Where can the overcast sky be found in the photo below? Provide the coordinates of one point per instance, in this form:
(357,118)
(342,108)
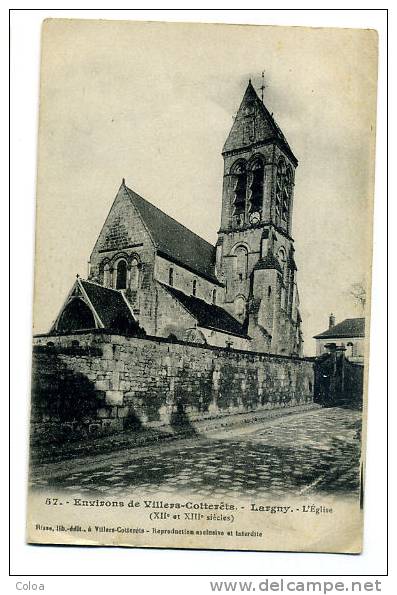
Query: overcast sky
(154,103)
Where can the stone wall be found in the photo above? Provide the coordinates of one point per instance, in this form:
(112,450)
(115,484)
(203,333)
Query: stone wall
(97,382)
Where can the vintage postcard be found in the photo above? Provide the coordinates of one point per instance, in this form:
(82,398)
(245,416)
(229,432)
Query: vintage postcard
(202,286)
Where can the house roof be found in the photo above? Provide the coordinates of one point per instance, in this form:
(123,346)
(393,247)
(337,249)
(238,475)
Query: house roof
(207,315)
(350,327)
(109,304)
(175,241)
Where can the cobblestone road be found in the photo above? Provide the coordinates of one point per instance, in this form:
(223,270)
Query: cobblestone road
(317,451)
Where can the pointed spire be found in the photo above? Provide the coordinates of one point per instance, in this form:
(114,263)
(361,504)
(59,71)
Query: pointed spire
(123,182)
(265,129)
(250,93)
(250,85)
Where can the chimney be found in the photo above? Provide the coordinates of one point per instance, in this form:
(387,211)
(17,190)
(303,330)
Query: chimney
(331,320)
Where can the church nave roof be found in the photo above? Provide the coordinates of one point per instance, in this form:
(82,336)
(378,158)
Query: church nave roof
(175,241)
(207,315)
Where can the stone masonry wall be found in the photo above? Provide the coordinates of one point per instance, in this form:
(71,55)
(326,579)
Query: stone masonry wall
(105,383)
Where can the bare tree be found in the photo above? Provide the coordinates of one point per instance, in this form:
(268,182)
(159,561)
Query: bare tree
(359,294)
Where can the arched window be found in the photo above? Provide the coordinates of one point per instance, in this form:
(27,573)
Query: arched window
(106,275)
(241,254)
(240,192)
(214,296)
(256,186)
(194,287)
(134,284)
(171,277)
(350,349)
(283,261)
(121,275)
(280,175)
(287,192)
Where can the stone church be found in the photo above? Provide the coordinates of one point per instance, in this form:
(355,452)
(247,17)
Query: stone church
(149,274)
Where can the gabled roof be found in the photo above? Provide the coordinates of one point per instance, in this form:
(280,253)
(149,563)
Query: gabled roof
(266,127)
(350,327)
(175,241)
(109,304)
(207,315)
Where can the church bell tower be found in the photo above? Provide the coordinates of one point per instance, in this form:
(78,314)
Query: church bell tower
(255,252)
